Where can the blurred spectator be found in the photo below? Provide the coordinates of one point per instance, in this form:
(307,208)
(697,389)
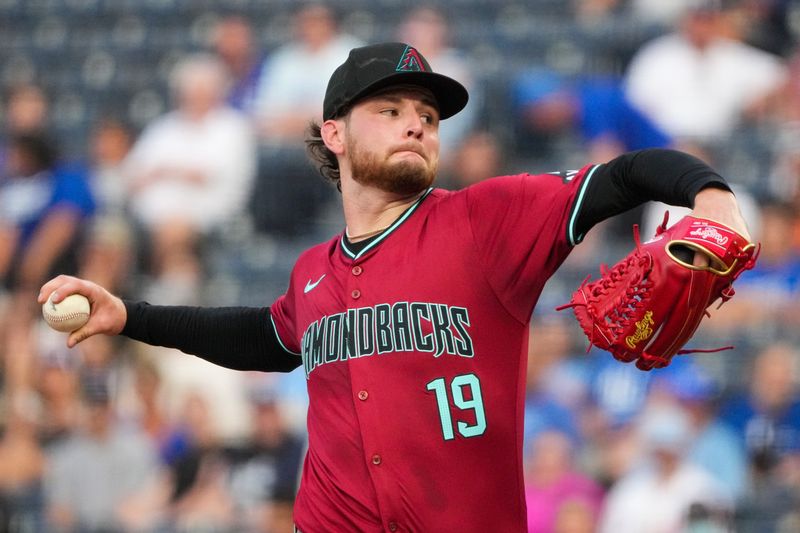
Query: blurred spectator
(766,24)
(42,207)
(280,516)
(766,417)
(289,194)
(553,483)
(669,479)
(618,391)
(56,380)
(151,416)
(592,10)
(109,144)
(200,498)
(205,505)
(100,470)
(108,255)
(616,395)
(658,12)
(266,469)
(696,83)
(766,301)
(294,77)
(22,461)
(781,113)
(427,29)
(575,516)
(21,467)
(233,43)
(715,446)
(595,108)
(479,157)
(26,113)
(26,110)
(770,503)
(190,173)
(549,346)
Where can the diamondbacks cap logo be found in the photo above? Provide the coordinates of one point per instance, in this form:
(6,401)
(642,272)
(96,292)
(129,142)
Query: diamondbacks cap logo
(410,61)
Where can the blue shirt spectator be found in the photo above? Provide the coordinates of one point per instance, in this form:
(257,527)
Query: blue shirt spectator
(42,205)
(767,416)
(595,108)
(715,446)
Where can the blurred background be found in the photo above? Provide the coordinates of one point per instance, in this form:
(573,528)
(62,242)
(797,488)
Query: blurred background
(155,146)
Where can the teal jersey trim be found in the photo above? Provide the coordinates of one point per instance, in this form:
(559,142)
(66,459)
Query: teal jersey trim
(576,207)
(349,253)
(277,336)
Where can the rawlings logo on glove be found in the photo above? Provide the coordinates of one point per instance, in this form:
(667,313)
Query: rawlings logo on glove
(648,305)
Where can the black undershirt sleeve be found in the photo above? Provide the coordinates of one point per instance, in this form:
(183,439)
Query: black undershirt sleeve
(656,174)
(241,338)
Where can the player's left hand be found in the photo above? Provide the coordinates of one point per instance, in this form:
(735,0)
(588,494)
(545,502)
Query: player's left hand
(648,305)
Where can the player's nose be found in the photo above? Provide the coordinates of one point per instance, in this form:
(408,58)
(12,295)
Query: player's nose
(414,126)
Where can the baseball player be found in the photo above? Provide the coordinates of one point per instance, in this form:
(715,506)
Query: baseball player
(411,326)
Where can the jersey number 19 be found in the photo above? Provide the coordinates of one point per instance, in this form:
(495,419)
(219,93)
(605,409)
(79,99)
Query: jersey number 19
(474,401)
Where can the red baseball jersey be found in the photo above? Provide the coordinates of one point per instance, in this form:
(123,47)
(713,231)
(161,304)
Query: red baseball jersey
(415,351)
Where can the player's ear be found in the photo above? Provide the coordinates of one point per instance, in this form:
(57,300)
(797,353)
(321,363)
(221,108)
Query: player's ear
(333,135)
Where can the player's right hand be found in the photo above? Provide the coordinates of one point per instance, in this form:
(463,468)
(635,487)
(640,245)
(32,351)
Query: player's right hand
(107,312)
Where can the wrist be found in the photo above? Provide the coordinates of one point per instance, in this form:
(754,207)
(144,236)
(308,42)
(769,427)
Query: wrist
(714,194)
(121,316)
(721,206)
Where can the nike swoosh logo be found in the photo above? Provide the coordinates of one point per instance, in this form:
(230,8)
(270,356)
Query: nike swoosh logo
(310,286)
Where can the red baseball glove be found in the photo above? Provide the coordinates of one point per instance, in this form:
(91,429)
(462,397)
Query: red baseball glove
(648,305)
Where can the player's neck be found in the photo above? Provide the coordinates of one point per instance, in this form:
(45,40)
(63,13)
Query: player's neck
(368,211)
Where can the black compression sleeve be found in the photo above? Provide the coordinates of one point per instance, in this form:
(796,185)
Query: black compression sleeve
(633,178)
(241,338)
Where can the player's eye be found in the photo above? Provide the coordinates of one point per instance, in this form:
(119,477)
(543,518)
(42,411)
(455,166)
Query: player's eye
(389,112)
(428,118)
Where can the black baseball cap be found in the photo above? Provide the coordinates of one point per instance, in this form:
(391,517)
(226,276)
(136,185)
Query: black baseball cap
(377,66)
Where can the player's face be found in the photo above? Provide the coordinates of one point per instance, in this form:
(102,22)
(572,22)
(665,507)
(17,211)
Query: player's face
(392,140)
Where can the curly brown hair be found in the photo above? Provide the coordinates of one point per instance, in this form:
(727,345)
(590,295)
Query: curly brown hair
(324,160)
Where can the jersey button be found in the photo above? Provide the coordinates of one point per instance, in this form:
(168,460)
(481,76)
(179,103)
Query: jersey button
(392,526)
(363,395)
(376,459)
(357,270)
(356,294)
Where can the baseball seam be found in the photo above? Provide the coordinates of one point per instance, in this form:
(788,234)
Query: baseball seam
(62,318)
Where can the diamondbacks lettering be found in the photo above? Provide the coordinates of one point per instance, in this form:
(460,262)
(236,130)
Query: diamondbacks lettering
(401,327)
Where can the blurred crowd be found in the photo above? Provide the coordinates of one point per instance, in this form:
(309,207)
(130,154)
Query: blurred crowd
(210,201)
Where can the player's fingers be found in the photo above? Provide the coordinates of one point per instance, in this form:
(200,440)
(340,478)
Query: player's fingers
(701,260)
(107,317)
(80,335)
(59,287)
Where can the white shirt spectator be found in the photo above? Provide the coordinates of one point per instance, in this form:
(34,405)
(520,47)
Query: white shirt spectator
(646,503)
(700,93)
(220,146)
(295,77)
(665,477)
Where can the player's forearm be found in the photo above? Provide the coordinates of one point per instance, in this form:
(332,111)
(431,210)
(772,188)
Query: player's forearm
(661,175)
(241,338)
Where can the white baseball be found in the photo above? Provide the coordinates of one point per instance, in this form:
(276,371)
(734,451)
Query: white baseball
(67,315)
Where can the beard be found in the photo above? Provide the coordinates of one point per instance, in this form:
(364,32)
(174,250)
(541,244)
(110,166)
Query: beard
(401,177)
